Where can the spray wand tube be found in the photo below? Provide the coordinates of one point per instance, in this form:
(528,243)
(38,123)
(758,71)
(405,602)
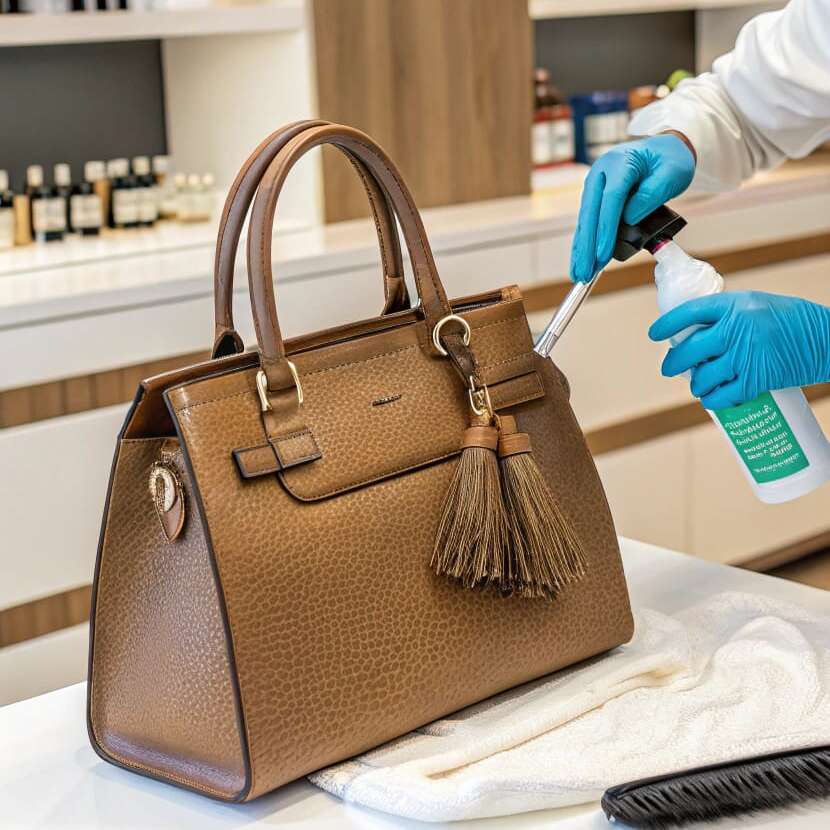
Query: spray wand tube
(564,314)
(658,226)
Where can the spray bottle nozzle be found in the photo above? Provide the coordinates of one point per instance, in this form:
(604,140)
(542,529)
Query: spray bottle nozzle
(657,228)
(654,245)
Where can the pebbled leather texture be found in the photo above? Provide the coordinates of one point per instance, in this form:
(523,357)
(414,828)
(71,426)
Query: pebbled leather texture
(160,691)
(295,621)
(343,636)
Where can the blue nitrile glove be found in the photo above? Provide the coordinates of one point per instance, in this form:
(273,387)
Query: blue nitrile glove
(751,342)
(628,182)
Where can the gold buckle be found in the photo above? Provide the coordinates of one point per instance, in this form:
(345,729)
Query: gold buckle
(436,332)
(262,387)
(480,399)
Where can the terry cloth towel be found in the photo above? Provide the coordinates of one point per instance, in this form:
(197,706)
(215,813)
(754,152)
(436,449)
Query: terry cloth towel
(736,676)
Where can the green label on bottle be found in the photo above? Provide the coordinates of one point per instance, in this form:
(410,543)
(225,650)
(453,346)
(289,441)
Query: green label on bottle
(763,439)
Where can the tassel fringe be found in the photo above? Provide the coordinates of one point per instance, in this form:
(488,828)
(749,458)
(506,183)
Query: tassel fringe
(473,530)
(500,524)
(546,552)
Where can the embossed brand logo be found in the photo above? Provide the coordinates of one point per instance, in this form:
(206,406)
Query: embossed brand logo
(386,399)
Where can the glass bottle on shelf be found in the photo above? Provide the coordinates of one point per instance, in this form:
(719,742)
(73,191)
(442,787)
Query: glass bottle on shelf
(165,187)
(148,211)
(63,192)
(42,205)
(85,206)
(7,224)
(540,143)
(124,195)
(553,130)
(188,199)
(178,194)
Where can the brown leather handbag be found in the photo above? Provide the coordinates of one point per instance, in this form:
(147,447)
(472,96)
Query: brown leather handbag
(314,547)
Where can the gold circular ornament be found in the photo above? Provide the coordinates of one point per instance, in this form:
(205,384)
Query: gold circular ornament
(163,487)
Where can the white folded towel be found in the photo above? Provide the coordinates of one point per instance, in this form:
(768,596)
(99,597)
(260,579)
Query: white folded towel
(736,676)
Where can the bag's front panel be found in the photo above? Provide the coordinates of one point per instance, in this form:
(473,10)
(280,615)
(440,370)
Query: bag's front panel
(343,636)
(161,698)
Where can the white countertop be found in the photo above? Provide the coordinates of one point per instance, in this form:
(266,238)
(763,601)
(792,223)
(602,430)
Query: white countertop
(51,779)
(128,268)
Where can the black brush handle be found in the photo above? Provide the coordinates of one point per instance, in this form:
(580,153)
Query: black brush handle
(726,789)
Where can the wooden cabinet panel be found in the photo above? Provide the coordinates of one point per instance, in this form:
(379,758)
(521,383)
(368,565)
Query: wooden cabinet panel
(443,85)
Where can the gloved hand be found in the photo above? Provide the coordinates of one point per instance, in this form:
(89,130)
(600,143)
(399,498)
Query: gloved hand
(628,182)
(750,342)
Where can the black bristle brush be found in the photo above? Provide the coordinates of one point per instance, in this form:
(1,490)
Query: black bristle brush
(727,789)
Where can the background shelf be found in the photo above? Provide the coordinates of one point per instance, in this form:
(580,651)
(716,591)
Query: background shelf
(548,9)
(43,29)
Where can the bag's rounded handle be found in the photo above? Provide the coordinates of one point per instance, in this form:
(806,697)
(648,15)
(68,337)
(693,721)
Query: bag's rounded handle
(226,339)
(433,298)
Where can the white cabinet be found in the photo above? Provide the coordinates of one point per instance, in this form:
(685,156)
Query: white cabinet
(684,490)
(52,494)
(649,490)
(41,665)
(726,522)
(613,367)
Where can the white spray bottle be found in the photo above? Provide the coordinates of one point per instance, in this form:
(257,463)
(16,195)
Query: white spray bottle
(775,437)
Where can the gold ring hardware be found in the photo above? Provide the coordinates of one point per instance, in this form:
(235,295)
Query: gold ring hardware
(436,332)
(480,399)
(262,387)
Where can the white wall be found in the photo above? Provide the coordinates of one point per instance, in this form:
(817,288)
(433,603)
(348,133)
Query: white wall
(718,28)
(224,94)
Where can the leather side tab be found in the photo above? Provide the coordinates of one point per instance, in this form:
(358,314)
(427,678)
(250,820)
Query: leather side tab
(281,453)
(514,391)
(296,448)
(256,461)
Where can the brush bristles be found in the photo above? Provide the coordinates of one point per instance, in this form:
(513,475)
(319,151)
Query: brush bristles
(546,552)
(472,533)
(734,789)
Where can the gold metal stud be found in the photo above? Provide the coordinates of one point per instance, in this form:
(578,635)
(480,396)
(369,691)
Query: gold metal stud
(164,486)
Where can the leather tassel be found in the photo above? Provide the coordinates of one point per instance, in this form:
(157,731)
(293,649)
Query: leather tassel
(545,552)
(473,532)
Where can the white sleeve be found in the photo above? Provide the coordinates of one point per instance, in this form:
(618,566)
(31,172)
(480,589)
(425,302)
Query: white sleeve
(766,101)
